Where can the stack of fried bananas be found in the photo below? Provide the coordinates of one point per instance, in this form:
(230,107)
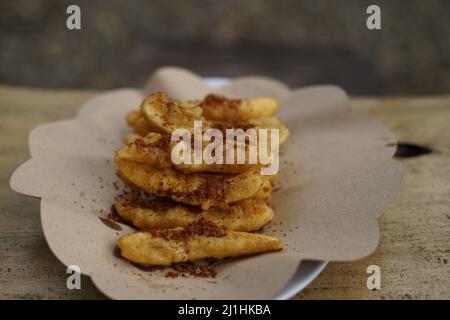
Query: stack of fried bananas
(193,211)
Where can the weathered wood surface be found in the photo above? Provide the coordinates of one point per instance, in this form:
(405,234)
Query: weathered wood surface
(413,255)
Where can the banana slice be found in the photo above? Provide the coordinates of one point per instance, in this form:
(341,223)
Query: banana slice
(200,240)
(165,116)
(271,123)
(217,107)
(246,215)
(131,137)
(199,189)
(155,149)
(132,117)
(265,193)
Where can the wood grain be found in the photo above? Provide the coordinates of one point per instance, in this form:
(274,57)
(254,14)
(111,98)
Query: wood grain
(414,251)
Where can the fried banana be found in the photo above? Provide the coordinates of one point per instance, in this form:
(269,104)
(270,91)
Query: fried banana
(217,107)
(201,189)
(142,126)
(199,240)
(155,149)
(265,193)
(131,137)
(271,123)
(165,115)
(160,114)
(246,215)
(152,150)
(132,117)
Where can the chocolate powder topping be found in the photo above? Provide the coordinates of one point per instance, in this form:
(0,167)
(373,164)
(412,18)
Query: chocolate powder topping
(144,146)
(201,227)
(214,99)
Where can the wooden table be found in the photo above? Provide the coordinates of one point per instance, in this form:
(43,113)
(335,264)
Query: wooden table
(413,255)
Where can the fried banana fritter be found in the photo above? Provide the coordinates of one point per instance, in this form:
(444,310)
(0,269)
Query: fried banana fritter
(155,149)
(246,215)
(212,107)
(200,240)
(271,123)
(165,116)
(201,189)
(133,117)
(202,210)
(131,137)
(217,107)
(265,193)
(152,150)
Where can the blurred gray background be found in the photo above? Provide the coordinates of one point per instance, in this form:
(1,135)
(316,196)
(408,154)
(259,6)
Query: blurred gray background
(300,42)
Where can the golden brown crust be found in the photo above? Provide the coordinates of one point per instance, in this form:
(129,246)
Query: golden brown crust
(246,215)
(160,114)
(265,193)
(272,123)
(165,115)
(132,117)
(155,149)
(199,241)
(216,107)
(200,189)
(152,150)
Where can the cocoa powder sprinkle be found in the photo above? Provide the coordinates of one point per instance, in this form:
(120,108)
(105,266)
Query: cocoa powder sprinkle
(201,227)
